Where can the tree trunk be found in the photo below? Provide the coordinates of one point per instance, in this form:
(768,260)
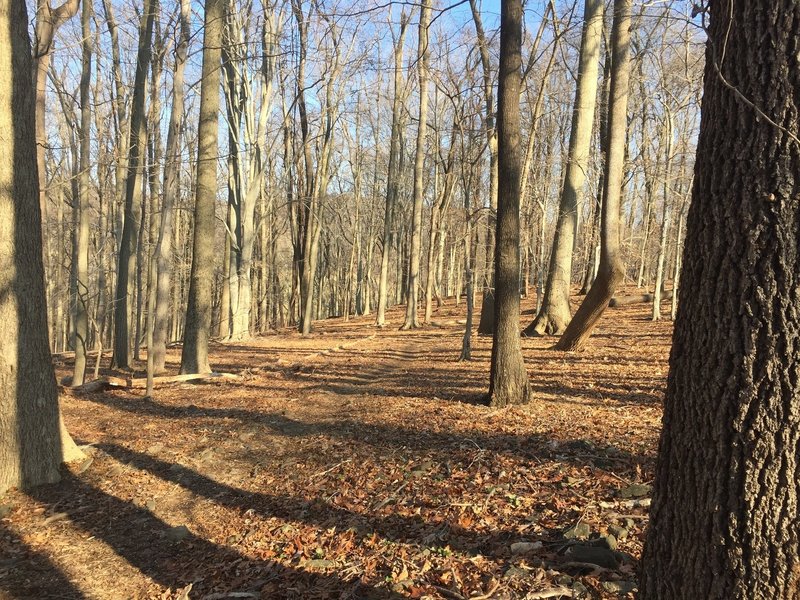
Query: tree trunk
(433,227)
(555,312)
(593,250)
(469,269)
(508,383)
(48,20)
(678,252)
(194,358)
(81,248)
(665,217)
(723,522)
(121,123)
(610,272)
(33,441)
(491,141)
(155,156)
(163,249)
(412,282)
(126,269)
(393,175)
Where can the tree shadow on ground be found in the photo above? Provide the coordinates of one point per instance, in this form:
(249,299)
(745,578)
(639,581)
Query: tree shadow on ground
(414,530)
(535,446)
(316,511)
(142,539)
(26,573)
(601,392)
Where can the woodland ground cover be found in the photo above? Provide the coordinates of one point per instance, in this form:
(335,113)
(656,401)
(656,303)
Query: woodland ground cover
(355,463)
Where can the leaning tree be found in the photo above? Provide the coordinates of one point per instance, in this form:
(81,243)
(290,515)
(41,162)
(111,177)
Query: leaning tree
(724,518)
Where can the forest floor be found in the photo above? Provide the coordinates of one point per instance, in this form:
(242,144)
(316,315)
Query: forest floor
(355,463)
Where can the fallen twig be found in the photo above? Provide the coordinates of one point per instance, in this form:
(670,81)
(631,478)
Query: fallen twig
(448,593)
(551,593)
(389,498)
(488,594)
(326,471)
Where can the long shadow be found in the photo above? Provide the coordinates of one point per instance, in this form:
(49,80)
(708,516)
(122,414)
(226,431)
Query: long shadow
(141,538)
(398,528)
(533,446)
(26,573)
(599,392)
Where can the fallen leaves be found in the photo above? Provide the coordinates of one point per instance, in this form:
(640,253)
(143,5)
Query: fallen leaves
(357,463)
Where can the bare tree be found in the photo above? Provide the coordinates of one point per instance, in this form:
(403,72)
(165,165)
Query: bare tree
(33,442)
(126,269)
(610,270)
(555,311)
(194,358)
(491,142)
(392,176)
(48,21)
(80,253)
(508,381)
(247,123)
(412,281)
(163,250)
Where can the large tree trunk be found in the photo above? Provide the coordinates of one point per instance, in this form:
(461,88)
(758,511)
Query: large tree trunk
(508,381)
(126,268)
(723,522)
(33,442)
(194,358)
(610,270)
(555,312)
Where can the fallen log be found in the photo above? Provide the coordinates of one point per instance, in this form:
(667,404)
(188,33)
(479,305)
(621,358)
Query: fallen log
(637,299)
(141,382)
(96,385)
(102,383)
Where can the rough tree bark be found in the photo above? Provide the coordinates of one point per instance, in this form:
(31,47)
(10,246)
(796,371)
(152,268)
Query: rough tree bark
(33,441)
(194,358)
(723,522)
(610,271)
(508,380)
(555,311)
